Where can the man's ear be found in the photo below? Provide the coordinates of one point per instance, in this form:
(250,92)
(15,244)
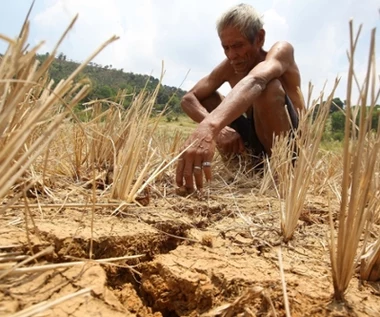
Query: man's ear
(260,38)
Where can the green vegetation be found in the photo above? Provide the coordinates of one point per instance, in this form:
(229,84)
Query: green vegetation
(107,81)
(334,130)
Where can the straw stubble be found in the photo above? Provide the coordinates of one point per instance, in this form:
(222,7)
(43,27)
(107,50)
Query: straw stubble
(361,148)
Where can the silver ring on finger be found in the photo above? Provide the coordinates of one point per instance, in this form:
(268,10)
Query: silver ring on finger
(206,164)
(197,168)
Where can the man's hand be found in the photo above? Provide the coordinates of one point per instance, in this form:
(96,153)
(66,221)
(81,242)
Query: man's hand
(196,160)
(229,142)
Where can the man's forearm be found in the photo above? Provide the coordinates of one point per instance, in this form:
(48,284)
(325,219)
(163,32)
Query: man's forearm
(237,102)
(193,108)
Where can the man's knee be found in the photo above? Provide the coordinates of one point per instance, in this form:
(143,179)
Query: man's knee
(270,106)
(273,94)
(213,101)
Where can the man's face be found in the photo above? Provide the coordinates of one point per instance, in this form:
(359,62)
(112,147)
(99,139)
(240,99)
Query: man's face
(241,53)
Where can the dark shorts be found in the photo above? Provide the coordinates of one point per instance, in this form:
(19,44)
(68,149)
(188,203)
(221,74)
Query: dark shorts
(246,128)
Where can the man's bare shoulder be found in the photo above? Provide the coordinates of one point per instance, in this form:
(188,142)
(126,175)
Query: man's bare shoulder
(281,50)
(281,45)
(211,82)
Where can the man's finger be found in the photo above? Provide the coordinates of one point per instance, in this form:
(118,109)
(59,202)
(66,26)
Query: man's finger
(206,165)
(198,175)
(188,173)
(179,172)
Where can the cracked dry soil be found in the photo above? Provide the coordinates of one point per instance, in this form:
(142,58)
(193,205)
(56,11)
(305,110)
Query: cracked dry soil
(196,256)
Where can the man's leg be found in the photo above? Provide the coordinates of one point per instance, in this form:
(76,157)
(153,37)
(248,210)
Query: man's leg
(242,125)
(270,116)
(246,128)
(294,121)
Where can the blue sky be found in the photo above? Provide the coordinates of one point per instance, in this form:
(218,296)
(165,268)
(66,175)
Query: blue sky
(182,34)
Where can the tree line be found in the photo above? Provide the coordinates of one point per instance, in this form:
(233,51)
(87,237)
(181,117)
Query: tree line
(107,81)
(334,129)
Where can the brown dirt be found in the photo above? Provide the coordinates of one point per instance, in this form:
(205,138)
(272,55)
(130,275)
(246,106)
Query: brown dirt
(210,256)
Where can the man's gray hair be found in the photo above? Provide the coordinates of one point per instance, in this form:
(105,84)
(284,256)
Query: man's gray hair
(244,17)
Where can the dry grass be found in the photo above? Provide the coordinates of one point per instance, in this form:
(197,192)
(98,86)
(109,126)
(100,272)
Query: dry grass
(242,305)
(361,148)
(120,150)
(294,177)
(30,110)
(327,172)
(42,307)
(137,154)
(370,264)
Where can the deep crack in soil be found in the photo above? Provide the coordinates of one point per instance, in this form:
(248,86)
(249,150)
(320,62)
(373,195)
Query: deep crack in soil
(193,262)
(120,283)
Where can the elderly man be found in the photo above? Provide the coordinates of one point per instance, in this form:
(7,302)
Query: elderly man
(265,86)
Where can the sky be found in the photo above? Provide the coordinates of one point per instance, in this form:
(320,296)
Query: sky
(182,34)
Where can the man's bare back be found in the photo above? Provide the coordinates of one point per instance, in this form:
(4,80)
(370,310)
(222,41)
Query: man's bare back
(262,83)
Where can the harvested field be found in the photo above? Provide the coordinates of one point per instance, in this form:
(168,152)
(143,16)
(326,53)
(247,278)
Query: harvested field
(196,255)
(92,223)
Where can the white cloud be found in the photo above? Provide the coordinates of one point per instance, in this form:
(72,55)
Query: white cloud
(276,27)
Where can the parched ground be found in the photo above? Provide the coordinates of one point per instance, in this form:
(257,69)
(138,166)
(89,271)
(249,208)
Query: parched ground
(216,255)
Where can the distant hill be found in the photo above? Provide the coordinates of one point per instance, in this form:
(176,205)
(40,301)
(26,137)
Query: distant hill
(107,81)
